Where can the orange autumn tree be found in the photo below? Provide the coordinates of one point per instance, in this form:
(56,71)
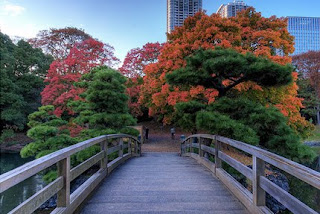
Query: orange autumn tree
(133,67)
(248,32)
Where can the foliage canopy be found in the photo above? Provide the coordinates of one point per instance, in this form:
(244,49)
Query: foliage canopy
(308,66)
(22,70)
(224,69)
(64,73)
(248,32)
(104,106)
(233,115)
(133,67)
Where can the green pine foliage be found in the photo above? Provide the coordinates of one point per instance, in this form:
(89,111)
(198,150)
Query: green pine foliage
(234,116)
(217,123)
(47,133)
(210,68)
(269,124)
(185,116)
(311,102)
(246,121)
(22,70)
(104,109)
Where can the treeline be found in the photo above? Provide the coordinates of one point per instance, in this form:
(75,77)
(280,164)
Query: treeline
(216,75)
(22,73)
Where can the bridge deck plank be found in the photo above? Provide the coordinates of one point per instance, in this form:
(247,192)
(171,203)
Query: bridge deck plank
(162,182)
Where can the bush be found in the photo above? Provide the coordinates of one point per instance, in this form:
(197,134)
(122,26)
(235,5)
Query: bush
(5,134)
(185,116)
(269,124)
(22,69)
(47,133)
(104,109)
(217,123)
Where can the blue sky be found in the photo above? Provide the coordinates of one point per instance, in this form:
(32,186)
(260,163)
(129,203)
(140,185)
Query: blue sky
(124,24)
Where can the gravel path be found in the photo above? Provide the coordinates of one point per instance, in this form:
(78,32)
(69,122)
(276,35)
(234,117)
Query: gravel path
(161,143)
(160,138)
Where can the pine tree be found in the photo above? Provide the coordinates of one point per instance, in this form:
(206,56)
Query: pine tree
(104,108)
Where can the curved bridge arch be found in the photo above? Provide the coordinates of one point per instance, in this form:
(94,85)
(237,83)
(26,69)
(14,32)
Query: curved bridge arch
(66,202)
(198,147)
(254,202)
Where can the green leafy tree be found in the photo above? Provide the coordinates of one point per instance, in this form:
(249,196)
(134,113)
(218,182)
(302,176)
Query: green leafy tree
(104,108)
(185,116)
(47,132)
(233,116)
(268,123)
(223,69)
(308,66)
(217,123)
(311,101)
(22,69)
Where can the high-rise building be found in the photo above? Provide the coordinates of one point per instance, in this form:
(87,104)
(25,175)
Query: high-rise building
(231,9)
(306,31)
(179,10)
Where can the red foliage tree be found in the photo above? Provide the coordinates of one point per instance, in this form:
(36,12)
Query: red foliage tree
(248,32)
(59,42)
(133,67)
(64,73)
(138,58)
(308,64)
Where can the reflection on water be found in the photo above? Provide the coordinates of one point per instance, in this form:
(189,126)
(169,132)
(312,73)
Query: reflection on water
(21,192)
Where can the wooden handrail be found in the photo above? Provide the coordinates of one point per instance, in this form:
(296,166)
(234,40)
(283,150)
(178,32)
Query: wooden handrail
(255,202)
(68,203)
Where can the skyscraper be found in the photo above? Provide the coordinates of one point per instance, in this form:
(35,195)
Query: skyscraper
(179,10)
(232,8)
(306,31)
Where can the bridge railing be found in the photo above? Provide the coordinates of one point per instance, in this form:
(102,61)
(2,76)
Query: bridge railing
(255,201)
(66,202)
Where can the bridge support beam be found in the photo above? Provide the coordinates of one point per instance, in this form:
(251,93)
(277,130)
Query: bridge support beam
(259,195)
(130,147)
(200,150)
(121,147)
(104,160)
(63,196)
(217,160)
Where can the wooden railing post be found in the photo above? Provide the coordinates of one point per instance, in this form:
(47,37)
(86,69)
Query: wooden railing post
(135,147)
(217,160)
(259,195)
(182,145)
(139,146)
(129,146)
(200,150)
(121,147)
(191,147)
(63,196)
(104,160)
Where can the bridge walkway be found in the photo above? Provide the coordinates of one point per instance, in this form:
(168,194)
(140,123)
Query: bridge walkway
(162,183)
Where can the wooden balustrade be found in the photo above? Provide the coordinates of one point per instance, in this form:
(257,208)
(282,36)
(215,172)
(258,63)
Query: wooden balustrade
(255,201)
(66,202)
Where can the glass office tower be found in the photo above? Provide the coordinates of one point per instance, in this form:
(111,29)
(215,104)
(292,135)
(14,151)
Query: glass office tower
(231,9)
(306,31)
(179,10)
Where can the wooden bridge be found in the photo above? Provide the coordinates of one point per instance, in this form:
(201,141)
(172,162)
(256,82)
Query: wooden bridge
(192,182)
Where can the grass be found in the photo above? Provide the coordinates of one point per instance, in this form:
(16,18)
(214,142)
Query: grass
(315,135)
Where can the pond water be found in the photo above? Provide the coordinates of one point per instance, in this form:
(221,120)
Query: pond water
(19,193)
